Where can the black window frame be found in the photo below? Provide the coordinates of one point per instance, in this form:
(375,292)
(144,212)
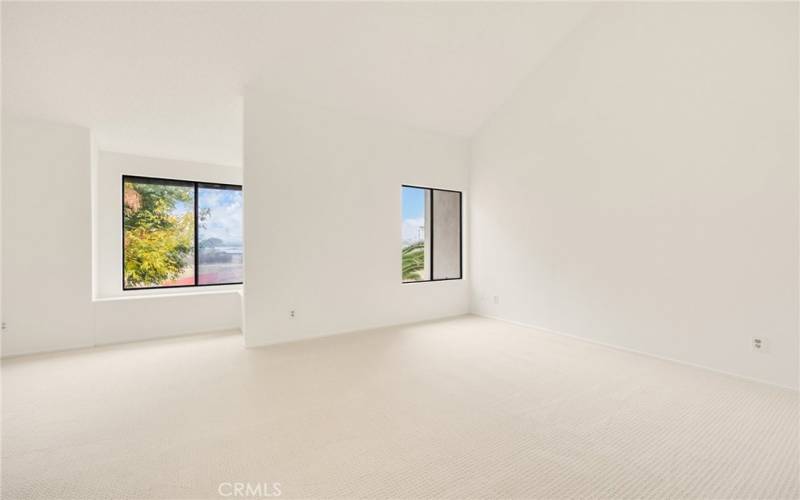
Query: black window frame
(196,186)
(460,234)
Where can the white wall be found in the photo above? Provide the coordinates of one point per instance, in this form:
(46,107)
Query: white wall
(111,168)
(47,279)
(323,220)
(149,317)
(160,313)
(48,176)
(641,188)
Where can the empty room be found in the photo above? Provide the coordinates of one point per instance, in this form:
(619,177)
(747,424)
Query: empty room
(400,250)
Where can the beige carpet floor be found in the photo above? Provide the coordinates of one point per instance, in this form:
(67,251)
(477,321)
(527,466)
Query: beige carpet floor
(460,408)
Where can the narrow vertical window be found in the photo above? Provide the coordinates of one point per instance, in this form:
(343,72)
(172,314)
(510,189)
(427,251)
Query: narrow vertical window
(446,227)
(219,235)
(415,250)
(431,234)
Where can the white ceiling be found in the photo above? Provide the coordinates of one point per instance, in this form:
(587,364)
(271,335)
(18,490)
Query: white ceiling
(166,79)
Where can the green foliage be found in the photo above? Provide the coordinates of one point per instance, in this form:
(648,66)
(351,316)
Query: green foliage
(158,242)
(413,261)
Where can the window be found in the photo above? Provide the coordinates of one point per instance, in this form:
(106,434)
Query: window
(180,233)
(431,234)
(219,235)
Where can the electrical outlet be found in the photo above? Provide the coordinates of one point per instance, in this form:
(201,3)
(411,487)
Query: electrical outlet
(759,344)
(497,299)
(291,313)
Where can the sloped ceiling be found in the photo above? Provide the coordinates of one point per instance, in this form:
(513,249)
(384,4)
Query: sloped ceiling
(166,79)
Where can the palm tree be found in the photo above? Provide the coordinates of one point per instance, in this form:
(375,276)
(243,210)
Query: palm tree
(413,261)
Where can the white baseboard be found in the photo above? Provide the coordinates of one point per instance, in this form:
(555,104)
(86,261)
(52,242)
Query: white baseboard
(634,351)
(101,345)
(321,335)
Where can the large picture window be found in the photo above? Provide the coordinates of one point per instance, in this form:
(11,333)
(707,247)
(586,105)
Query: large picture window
(431,235)
(180,233)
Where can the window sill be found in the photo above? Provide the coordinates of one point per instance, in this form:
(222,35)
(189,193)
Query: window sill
(171,292)
(432,281)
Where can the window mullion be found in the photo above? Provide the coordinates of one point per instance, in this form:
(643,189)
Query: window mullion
(196,246)
(431,275)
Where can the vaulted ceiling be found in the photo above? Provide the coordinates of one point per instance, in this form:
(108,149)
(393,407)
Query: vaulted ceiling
(167,79)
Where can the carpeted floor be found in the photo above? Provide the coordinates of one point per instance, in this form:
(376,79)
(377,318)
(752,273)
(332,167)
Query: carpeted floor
(468,407)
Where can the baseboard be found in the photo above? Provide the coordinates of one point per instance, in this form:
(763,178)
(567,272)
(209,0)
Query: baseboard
(175,336)
(322,335)
(634,351)
(103,345)
(55,350)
